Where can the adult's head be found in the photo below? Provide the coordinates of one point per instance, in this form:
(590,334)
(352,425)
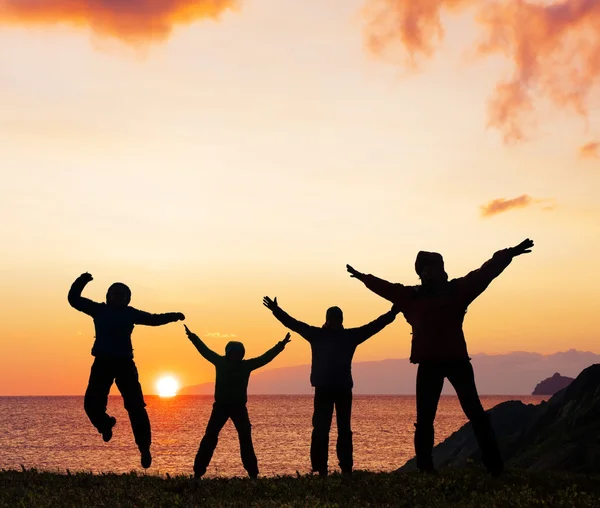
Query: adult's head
(118,294)
(235,351)
(334,318)
(430,267)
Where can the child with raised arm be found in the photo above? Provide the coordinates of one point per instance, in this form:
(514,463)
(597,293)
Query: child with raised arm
(231,387)
(436,310)
(114,321)
(332,347)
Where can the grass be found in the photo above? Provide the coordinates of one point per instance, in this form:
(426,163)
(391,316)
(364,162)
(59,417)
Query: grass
(452,488)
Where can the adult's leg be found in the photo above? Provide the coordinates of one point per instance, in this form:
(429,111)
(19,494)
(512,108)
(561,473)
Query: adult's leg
(96,396)
(241,420)
(343,414)
(462,377)
(323,413)
(430,381)
(218,418)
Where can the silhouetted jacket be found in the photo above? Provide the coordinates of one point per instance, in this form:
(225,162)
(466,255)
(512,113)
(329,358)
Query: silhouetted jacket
(114,324)
(333,349)
(231,386)
(436,314)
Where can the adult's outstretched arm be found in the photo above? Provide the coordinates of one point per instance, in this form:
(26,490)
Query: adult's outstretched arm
(302,329)
(396,293)
(362,333)
(476,282)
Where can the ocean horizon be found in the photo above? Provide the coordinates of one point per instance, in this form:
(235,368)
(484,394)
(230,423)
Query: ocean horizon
(52,433)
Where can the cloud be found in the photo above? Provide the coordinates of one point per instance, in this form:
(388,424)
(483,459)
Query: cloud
(220,335)
(133,21)
(554,48)
(501,205)
(590,150)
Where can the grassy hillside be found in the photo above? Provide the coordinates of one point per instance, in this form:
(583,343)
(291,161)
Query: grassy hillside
(452,488)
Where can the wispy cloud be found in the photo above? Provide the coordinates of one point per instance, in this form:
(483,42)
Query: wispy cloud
(220,335)
(133,21)
(590,150)
(554,48)
(501,205)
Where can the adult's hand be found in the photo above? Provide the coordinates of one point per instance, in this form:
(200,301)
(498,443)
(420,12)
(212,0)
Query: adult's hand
(270,304)
(523,248)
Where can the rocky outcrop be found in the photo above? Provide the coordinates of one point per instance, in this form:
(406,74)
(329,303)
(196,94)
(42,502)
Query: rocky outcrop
(560,434)
(552,385)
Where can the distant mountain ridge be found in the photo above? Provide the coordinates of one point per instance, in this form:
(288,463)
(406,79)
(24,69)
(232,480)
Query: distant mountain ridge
(515,373)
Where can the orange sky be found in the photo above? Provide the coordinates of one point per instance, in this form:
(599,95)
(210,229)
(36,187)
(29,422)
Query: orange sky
(258,154)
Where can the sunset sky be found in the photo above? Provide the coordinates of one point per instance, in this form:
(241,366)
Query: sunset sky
(210,162)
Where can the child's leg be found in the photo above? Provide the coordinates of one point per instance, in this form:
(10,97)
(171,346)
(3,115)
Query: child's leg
(343,415)
(96,394)
(241,420)
(218,418)
(430,381)
(129,385)
(462,377)
(323,413)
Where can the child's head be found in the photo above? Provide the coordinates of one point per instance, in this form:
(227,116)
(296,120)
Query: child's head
(118,294)
(235,351)
(334,318)
(430,267)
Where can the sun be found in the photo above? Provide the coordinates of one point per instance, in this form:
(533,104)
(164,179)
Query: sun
(167,386)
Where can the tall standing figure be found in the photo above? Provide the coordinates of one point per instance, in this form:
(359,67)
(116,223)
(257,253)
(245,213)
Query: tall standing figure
(436,309)
(231,396)
(114,322)
(332,348)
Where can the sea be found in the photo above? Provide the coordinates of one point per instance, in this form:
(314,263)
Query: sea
(54,434)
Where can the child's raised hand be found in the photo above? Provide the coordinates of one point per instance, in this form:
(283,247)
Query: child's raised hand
(189,333)
(86,276)
(179,316)
(287,339)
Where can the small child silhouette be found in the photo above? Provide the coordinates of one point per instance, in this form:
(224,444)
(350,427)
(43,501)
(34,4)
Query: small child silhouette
(231,387)
(114,322)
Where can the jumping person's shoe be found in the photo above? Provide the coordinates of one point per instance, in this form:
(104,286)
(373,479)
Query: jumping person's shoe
(107,433)
(146,458)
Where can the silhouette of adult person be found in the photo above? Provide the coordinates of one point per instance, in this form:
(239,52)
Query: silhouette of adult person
(332,348)
(113,351)
(436,309)
(231,396)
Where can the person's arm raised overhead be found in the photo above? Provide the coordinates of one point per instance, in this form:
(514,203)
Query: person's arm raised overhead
(362,333)
(79,302)
(396,293)
(476,282)
(261,361)
(202,348)
(141,317)
(286,320)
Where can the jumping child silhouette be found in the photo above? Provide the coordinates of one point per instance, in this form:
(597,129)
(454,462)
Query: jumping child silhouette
(114,322)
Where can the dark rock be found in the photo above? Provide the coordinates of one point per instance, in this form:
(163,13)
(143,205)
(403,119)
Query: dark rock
(560,434)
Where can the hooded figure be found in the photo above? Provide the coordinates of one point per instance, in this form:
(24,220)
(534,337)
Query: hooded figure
(114,322)
(435,309)
(231,387)
(332,347)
